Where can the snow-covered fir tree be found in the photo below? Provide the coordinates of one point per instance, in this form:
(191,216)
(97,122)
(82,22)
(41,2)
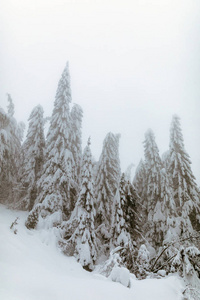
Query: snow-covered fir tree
(119,234)
(5,156)
(142,262)
(11,107)
(186,263)
(55,182)
(160,204)
(153,167)
(107,180)
(33,149)
(139,180)
(76,139)
(131,207)
(165,159)
(126,222)
(185,189)
(9,155)
(139,183)
(133,211)
(128,172)
(83,238)
(165,217)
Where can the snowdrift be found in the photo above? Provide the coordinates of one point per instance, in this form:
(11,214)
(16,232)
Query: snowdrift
(33,268)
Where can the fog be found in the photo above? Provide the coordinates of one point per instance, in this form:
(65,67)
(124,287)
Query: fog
(133,64)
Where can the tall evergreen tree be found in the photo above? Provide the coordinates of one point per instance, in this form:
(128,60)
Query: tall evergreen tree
(153,168)
(9,155)
(83,238)
(76,142)
(107,180)
(139,183)
(54,184)
(133,209)
(126,215)
(128,172)
(184,185)
(120,235)
(160,203)
(11,107)
(33,148)
(139,180)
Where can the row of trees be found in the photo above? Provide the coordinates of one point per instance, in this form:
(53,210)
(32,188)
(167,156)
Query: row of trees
(95,207)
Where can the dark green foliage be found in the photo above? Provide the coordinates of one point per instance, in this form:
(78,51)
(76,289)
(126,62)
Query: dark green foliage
(130,203)
(32,219)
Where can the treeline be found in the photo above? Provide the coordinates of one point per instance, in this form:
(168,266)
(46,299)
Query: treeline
(92,206)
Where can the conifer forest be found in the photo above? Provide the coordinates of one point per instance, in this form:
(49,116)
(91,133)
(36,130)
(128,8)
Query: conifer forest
(148,224)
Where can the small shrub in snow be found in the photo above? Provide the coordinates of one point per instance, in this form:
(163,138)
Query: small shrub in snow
(13,225)
(121,275)
(128,254)
(142,262)
(187,264)
(161,273)
(113,261)
(67,247)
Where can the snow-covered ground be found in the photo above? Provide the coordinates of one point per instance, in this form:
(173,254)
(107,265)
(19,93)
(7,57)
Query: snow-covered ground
(32,268)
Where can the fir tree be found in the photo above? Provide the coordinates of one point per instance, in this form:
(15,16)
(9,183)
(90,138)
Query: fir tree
(54,184)
(126,219)
(128,172)
(160,204)
(119,234)
(165,159)
(139,181)
(165,218)
(142,262)
(84,238)
(33,157)
(76,124)
(11,107)
(107,179)
(153,168)
(131,207)
(184,186)
(9,155)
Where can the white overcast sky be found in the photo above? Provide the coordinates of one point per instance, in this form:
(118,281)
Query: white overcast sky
(133,64)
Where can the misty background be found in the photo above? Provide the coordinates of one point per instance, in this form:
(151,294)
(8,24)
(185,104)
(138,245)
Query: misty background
(133,64)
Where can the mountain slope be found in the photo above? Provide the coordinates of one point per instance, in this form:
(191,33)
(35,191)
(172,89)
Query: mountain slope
(32,268)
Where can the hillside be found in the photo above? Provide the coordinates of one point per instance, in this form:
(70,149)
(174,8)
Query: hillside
(32,268)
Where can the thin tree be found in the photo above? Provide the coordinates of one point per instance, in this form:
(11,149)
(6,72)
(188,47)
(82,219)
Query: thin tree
(107,180)
(76,139)
(33,149)
(185,190)
(84,238)
(160,204)
(9,155)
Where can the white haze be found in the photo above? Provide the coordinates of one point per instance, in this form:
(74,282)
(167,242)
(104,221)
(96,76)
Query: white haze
(133,64)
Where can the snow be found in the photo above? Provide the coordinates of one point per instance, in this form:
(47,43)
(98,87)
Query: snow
(33,268)
(162,273)
(121,275)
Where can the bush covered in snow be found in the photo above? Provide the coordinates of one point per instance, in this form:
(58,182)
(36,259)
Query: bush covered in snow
(32,219)
(121,275)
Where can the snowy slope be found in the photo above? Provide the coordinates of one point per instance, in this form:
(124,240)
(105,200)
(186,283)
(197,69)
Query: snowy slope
(32,268)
